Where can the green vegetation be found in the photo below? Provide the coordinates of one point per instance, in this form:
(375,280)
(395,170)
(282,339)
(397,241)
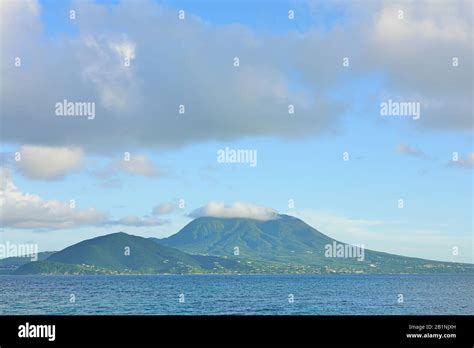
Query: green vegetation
(10,264)
(120,253)
(223,246)
(289,245)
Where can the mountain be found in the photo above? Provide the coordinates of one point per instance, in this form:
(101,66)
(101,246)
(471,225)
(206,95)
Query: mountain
(267,240)
(120,253)
(9,264)
(287,244)
(208,245)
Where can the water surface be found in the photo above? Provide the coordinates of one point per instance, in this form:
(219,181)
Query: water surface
(238,294)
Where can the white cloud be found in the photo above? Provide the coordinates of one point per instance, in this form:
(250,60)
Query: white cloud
(103,64)
(137,221)
(430,35)
(11,12)
(463,162)
(408,150)
(139,165)
(48,163)
(164,208)
(236,210)
(30,211)
(125,49)
(422,21)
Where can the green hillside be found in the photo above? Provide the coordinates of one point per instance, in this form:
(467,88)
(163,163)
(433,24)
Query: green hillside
(9,264)
(120,253)
(208,245)
(289,244)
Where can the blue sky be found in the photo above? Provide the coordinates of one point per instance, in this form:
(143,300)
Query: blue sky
(265,15)
(354,201)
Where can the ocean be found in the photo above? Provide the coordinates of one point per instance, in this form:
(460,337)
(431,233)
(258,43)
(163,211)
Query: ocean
(334,294)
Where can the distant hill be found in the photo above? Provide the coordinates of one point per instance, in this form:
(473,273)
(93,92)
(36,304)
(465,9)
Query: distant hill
(288,244)
(9,264)
(226,245)
(120,253)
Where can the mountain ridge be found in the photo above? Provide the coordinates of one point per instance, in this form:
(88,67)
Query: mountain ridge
(286,239)
(121,253)
(230,245)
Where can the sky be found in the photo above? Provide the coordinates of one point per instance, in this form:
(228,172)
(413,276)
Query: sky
(141,165)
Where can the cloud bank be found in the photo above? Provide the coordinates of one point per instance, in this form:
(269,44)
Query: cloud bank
(138,105)
(48,163)
(138,85)
(24,210)
(235,210)
(21,210)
